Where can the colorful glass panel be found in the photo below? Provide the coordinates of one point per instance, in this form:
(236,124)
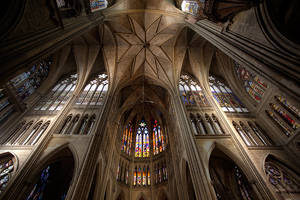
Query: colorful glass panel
(142,146)
(6,170)
(225,97)
(191,7)
(98,5)
(291,108)
(284,128)
(287,118)
(127,139)
(158,139)
(190,91)
(252,83)
(139,177)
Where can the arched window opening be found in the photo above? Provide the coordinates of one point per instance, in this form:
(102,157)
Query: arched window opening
(194,124)
(225,97)
(192,6)
(228,180)
(209,125)
(98,5)
(217,125)
(20,134)
(13,133)
(90,125)
(261,135)
(191,92)
(6,170)
(252,83)
(288,106)
(242,134)
(190,185)
(73,125)
(286,130)
(6,106)
(83,125)
(54,180)
(249,134)
(38,134)
(285,181)
(202,128)
(158,139)
(94,93)
(285,116)
(58,96)
(66,125)
(142,144)
(26,137)
(127,139)
(26,83)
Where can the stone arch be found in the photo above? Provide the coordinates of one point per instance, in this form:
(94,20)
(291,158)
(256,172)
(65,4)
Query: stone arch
(142,196)
(228,179)
(121,195)
(162,195)
(8,167)
(59,166)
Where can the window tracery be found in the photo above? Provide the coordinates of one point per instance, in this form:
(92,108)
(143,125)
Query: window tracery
(158,139)
(161,172)
(6,171)
(142,146)
(58,96)
(225,97)
(283,180)
(191,92)
(98,5)
(141,176)
(242,134)
(127,139)
(252,83)
(286,104)
(93,94)
(192,6)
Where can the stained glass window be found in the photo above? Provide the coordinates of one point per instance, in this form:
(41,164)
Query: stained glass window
(243,135)
(142,148)
(190,91)
(135,176)
(6,108)
(280,123)
(225,97)
(93,94)
(284,115)
(158,138)
(127,139)
(98,5)
(26,83)
(149,177)
(59,95)
(6,170)
(284,180)
(139,176)
(191,6)
(251,82)
(291,108)
(242,184)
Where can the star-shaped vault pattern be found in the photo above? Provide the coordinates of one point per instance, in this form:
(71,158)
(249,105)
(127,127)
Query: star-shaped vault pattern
(145,49)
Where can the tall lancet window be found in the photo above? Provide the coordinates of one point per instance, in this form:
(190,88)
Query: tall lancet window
(190,91)
(59,95)
(142,148)
(225,97)
(127,139)
(158,138)
(93,94)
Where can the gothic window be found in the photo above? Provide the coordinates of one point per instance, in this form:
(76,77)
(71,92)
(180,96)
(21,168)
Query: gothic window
(142,146)
(135,176)
(287,105)
(209,125)
(280,123)
(190,91)
(201,125)
(194,124)
(284,181)
(19,134)
(38,134)
(253,84)
(83,125)
(285,116)
(98,5)
(148,175)
(158,138)
(59,95)
(263,138)
(73,125)
(127,139)
(6,170)
(26,137)
(217,125)
(242,134)
(90,125)
(248,134)
(13,133)
(53,181)
(6,108)
(225,97)
(191,6)
(93,94)
(26,83)
(242,184)
(66,125)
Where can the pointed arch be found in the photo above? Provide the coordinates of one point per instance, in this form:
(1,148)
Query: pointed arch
(8,165)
